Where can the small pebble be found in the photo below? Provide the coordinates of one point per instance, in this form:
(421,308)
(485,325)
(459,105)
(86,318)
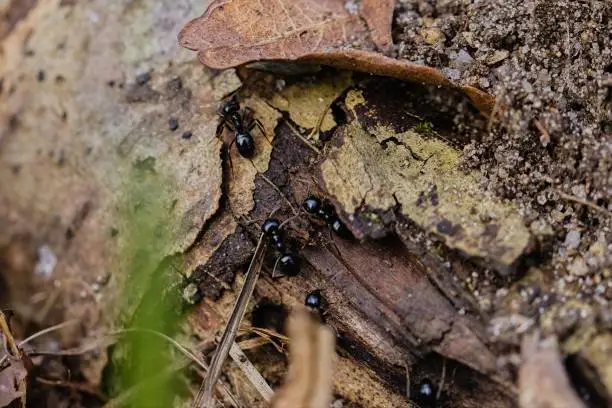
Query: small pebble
(463,59)
(191,293)
(497,56)
(572,239)
(578,267)
(433,35)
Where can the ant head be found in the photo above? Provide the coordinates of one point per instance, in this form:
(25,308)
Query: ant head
(270,226)
(314,299)
(230,106)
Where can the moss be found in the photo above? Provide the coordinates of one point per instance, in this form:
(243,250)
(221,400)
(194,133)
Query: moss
(425,129)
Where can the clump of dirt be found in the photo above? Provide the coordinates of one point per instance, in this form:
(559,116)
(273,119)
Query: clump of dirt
(549,140)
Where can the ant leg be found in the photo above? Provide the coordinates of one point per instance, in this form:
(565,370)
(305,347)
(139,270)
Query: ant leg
(220,128)
(274,273)
(275,187)
(257,123)
(288,220)
(250,122)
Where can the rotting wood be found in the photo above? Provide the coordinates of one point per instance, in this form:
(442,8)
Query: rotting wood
(373,329)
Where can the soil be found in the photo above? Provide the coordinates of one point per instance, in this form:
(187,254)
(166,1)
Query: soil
(549,144)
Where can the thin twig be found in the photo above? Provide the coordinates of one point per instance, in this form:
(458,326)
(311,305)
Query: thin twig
(75,351)
(579,200)
(303,139)
(407,382)
(48,330)
(119,401)
(81,387)
(188,353)
(205,395)
(225,388)
(317,129)
(254,376)
(10,340)
(545,136)
(441,385)
(255,342)
(275,187)
(37,334)
(262,331)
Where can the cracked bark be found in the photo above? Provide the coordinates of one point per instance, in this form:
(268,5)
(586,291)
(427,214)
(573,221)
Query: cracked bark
(392,301)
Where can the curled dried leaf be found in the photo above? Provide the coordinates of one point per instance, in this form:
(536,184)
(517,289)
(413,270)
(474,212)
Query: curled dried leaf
(232,33)
(236,32)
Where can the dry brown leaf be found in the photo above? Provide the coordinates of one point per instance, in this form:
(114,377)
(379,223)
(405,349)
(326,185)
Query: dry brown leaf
(236,32)
(231,33)
(374,63)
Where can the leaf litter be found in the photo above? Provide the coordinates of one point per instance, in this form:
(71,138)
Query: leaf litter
(234,33)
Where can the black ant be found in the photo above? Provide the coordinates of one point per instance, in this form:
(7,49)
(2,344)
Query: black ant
(241,124)
(326,212)
(287,263)
(426,394)
(314,299)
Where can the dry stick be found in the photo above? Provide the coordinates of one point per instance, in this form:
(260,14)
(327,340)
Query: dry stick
(10,340)
(542,130)
(255,342)
(407,381)
(48,330)
(267,180)
(75,351)
(38,334)
(251,372)
(205,398)
(441,385)
(188,353)
(14,350)
(303,139)
(108,341)
(268,332)
(81,387)
(582,201)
